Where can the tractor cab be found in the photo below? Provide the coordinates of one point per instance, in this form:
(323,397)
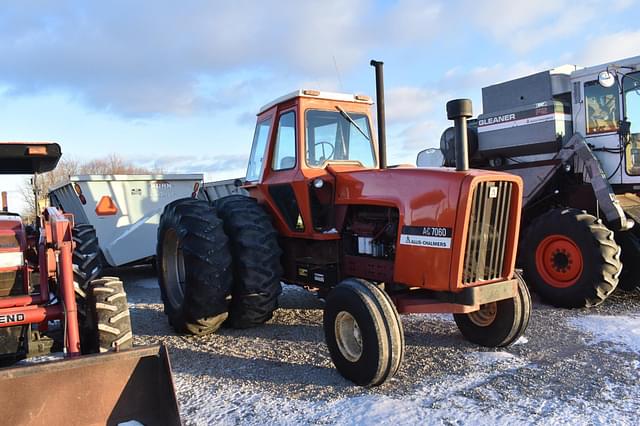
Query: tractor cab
(300,141)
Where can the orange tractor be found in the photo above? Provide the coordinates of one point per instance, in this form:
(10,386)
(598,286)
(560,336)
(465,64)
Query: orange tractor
(326,212)
(51,300)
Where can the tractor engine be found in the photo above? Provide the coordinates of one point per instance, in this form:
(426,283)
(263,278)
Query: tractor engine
(372,231)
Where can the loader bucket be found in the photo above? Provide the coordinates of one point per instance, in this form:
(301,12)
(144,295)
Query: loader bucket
(133,386)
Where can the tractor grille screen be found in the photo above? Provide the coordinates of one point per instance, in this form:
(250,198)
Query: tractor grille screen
(488,232)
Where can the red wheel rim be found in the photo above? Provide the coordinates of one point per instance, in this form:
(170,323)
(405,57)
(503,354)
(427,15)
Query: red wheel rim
(559,261)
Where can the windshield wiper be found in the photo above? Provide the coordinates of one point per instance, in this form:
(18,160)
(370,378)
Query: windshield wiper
(348,117)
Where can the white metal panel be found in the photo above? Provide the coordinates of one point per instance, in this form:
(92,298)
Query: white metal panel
(130,234)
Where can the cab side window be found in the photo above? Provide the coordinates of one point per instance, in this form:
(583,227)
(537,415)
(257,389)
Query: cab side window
(601,108)
(258,150)
(284,155)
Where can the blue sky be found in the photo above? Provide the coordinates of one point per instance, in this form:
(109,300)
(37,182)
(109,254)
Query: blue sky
(176,85)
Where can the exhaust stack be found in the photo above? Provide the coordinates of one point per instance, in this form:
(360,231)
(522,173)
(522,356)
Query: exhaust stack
(5,204)
(382,131)
(459,110)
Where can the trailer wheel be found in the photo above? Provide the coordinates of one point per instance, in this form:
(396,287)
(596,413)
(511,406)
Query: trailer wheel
(571,259)
(256,260)
(363,332)
(108,325)
(630,257)
(194,266)
(498,324)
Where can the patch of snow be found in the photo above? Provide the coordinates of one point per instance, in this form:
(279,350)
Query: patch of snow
(622,331)
(56,356)
(521,341)
(491,358)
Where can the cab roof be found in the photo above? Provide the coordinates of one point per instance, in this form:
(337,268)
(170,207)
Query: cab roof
(317,94)
(18,158)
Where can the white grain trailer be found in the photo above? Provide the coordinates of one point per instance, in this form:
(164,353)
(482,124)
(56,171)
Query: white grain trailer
(123,209)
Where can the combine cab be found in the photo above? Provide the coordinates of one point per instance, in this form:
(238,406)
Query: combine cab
(52,301)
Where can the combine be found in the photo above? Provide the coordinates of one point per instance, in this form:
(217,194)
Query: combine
(573,135)
(52,300)
(325,211)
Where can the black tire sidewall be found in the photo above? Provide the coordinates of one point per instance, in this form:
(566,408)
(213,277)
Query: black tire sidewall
(362,371)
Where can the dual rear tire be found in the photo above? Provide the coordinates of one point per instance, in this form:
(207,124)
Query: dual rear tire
(217,264)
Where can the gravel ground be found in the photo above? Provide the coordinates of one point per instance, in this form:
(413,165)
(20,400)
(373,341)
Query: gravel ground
(572,367)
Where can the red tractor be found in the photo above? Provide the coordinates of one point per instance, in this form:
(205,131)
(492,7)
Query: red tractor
(50,302)
(326,212)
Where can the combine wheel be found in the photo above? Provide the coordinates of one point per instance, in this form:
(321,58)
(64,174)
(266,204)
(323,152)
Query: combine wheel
(109,323)
(194,266)
(630,257)
(256,260)
(499,323)
(363,332)
(571,259)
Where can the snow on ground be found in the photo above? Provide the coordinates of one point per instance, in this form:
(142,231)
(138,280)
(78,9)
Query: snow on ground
(573,367)
(621,331)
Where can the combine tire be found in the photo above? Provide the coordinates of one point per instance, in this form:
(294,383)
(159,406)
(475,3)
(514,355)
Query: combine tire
(363,332)
(630,257)
(108,317)
(256,260)
(194,266)
(571,259)
(499,323)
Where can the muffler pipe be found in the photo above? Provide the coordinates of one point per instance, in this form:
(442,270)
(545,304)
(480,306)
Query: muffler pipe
(382,131)
(5,204)
(459,110)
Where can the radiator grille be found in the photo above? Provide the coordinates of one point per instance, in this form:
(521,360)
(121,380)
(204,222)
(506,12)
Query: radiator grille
(487,232)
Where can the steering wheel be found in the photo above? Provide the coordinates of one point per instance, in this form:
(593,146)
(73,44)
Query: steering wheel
(324,157)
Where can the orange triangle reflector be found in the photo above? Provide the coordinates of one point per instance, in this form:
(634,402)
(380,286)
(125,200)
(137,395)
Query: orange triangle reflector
(106,207)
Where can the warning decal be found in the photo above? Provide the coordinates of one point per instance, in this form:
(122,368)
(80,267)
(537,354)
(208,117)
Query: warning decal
(426,236)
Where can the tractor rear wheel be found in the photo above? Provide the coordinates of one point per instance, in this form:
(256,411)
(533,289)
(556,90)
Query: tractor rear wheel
(87,266)
(571,259)
(194,266)
(630,257)
(363,332)
(108,324)
(256,260)
(499,323)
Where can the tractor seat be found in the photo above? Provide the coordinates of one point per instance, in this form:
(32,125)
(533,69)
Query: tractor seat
(287,163)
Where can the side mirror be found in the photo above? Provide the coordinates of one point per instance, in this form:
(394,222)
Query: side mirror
(430,157)
(606,79)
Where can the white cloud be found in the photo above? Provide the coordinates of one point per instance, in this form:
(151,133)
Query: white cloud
(608,48)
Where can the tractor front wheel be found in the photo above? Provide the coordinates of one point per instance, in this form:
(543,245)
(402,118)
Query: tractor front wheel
(194,266)
(571,259)
(108,324)
(499,323)
(363,332)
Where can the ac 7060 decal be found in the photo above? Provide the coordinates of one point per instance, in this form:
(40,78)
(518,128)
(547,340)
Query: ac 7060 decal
(426,236)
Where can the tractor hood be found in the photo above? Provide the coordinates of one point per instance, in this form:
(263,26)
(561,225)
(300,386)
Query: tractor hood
(437,210)
(18,158)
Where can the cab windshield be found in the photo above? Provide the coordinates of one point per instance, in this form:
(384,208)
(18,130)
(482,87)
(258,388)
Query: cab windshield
(331,136)
(632,111)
